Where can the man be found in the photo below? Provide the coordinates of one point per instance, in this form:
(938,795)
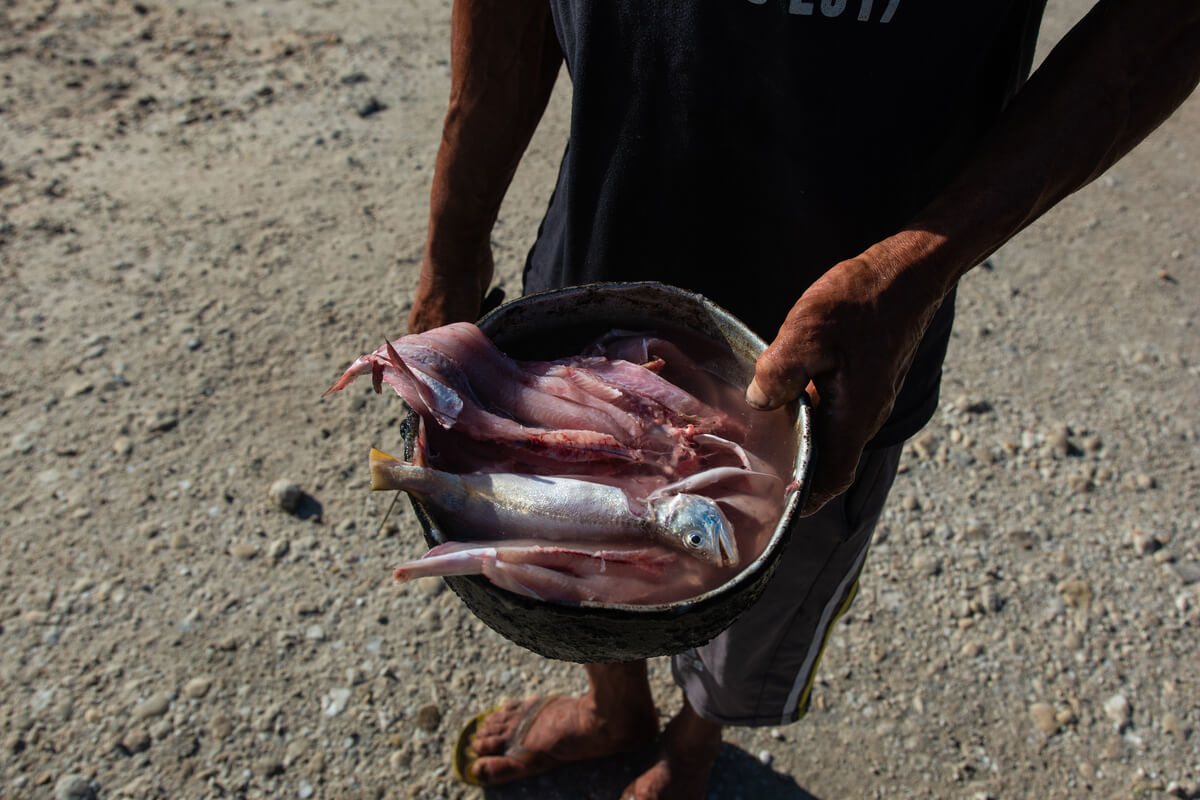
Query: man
(827,170)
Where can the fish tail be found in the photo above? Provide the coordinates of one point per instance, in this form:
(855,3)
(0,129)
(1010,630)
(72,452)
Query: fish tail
(383,470)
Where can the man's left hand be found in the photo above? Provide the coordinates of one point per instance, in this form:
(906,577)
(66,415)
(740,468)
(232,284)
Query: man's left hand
(848,341)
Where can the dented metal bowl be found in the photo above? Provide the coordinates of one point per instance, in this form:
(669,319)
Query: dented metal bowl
(560,323)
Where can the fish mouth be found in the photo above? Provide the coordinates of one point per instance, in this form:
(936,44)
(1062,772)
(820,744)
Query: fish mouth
(727,553)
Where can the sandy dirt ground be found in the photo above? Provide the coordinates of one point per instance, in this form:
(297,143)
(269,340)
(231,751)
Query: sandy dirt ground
(208,208)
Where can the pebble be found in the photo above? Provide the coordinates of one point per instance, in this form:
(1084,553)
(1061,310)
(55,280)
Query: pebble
(278,549)
(1173,725)
(429,717)
(336,701)
(153,706)
(1044,718)
(315,633)
(1188,572)
(1117,709)
(220,726)
(286,494)
(1076,593)
(197,687)
(136,740)
(305,790)
(1144,543)
(243,551)
(22,443)
(161,420)
(927,564)
(764,758)
(122,445)
(79,388)
(74,787)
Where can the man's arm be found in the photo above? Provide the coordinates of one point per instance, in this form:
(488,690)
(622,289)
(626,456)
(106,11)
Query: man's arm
(1111,81)
(504,57)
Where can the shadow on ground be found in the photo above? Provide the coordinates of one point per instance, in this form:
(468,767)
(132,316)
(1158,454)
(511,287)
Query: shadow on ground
(737,775)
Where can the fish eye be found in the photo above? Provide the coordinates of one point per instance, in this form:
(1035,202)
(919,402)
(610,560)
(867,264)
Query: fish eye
(694,539)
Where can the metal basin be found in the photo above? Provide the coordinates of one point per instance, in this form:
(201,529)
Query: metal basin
(560,323)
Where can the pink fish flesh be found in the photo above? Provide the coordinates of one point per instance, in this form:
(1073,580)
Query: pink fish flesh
(582,409)
(567,573)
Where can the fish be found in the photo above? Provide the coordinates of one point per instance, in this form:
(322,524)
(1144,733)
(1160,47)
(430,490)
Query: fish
(500,505)
(566,573)
(588,412)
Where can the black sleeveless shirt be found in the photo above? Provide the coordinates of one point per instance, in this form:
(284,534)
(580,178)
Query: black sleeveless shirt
(741,148)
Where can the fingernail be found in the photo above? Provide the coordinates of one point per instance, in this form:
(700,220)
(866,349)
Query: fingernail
(756,397)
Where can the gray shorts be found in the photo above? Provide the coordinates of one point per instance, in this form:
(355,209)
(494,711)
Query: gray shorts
(760,670)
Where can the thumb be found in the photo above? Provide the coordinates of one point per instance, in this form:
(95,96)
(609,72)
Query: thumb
(781,373)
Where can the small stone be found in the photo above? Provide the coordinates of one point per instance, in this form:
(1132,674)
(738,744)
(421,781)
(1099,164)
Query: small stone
(1143,482)
(220,726)
(972,649)
(178,541)
(1058,442)
(243,551)
(278,549)
(764,758)
(305,790)
(194,343)
(92,715)
(228,644)
(1188,572)
(1173,725)
(1076,593)
(136,740)
(1066,717)
(315,633)
(197,687)
(909,503)
(429,717)
(286,494)
(122,445)
(270,767)
(22,443)
(926,564)
(161,420)
(74,787)
(79,388)
(1117,709)
(336,701)
(162,729)
(1043,718)
(153,706)
(1144,543)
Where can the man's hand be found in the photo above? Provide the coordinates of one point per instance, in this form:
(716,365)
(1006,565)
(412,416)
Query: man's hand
(848,341)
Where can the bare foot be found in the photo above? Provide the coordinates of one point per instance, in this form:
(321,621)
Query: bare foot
(615,716)
(686,754)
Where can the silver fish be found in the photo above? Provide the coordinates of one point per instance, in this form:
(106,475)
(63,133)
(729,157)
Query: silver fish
(509,505)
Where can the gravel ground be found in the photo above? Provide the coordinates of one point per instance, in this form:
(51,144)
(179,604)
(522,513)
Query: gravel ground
(206,209)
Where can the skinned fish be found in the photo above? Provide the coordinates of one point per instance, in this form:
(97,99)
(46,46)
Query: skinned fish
(559,509)
(566,573)
(580,410)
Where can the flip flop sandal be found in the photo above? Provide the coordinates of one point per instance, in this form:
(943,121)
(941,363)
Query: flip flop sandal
(533,761)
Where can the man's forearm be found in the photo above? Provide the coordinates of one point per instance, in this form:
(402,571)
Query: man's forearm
(503,62)
(1118,74)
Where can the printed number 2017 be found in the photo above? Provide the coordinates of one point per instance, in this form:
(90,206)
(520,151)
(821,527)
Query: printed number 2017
(834,8)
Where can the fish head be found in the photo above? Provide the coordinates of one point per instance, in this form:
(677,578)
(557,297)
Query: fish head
(696,525)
